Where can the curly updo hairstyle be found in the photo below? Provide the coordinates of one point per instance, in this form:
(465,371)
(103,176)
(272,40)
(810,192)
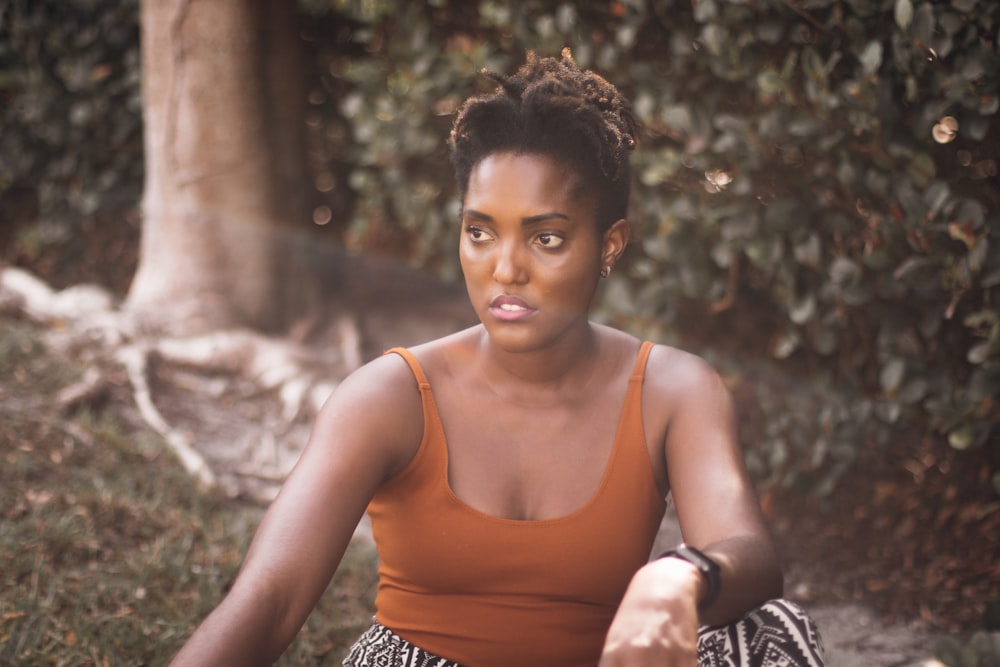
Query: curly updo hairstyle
(551,107)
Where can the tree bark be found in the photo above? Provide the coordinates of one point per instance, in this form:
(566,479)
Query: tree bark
(225,213)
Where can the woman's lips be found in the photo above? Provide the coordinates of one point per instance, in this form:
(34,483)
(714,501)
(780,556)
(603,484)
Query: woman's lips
(509,308)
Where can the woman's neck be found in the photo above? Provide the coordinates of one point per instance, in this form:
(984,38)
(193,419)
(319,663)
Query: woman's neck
(559,370)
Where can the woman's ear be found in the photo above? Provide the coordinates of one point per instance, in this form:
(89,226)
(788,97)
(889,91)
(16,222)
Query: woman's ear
(614,243)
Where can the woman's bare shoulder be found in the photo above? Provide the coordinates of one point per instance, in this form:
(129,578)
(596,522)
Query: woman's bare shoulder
(674,374)
(375,412)
(381,400)
(386,379)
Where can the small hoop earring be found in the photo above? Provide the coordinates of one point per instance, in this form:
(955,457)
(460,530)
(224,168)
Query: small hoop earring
(605,271)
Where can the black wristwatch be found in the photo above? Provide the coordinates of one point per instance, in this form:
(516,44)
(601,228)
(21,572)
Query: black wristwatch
(709,570)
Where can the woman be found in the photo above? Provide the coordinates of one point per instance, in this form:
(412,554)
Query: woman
(515,472)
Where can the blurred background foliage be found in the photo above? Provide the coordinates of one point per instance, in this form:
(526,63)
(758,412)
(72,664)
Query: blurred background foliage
(816,204)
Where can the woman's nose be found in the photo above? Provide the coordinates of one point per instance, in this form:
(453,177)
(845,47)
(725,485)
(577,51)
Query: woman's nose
(509,267)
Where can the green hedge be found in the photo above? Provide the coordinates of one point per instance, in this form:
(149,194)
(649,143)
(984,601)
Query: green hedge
(816,198)
(816,193)
(70,113)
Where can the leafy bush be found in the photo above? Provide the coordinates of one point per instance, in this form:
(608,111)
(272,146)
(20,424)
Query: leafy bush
(70,109)
(980,650)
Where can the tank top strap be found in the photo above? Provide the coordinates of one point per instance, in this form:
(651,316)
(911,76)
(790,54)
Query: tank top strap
(415,368)
(430,462)
(639,371)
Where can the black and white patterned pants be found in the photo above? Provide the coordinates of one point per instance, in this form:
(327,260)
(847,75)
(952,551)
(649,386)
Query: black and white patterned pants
(776,634)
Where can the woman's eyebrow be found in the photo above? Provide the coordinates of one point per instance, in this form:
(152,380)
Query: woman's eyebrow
(534,219)
(473,213)
(530,220)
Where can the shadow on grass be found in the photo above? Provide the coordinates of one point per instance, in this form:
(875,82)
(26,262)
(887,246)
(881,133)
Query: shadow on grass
(109,553)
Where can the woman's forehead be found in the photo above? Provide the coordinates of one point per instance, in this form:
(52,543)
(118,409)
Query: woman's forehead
(527,186)
(528,173)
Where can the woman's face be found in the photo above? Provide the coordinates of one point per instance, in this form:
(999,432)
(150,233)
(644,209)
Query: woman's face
(530,249)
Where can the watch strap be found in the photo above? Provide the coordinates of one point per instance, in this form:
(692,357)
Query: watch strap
(709,571)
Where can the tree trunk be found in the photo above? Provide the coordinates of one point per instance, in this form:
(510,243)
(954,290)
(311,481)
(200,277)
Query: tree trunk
(224,203)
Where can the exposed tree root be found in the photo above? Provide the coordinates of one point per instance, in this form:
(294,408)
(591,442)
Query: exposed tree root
(273,364)
(90,390)
(135,359)
(251,457)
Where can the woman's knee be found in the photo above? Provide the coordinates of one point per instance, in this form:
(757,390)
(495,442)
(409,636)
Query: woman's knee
(778,632)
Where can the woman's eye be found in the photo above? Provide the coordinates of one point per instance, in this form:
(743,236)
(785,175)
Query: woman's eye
(476,234)
(548,240)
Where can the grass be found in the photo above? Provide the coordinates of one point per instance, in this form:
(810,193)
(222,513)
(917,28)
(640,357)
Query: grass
(109,552)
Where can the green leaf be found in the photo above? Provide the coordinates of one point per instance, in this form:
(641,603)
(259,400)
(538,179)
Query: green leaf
(936,196)
(922,28)
(904,14)
(981,319)
(770,83)
(889,412)
(705,10)
(812,65)
(714,37)
(915,270)
(980,353)
(962,437)
(871,57)
(976,128)
(843,271)
(891,376)
(808,252)
(803,310)
(785,345)
(770,32)
(914,391)
(973,68)
(922,169)
(825,341)
(948,651)
(950,22)
(970,435)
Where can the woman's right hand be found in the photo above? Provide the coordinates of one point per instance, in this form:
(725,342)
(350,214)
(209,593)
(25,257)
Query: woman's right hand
(657,621)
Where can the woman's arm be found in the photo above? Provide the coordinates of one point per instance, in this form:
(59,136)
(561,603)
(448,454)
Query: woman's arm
(718,513)
(717,508)
(366,432)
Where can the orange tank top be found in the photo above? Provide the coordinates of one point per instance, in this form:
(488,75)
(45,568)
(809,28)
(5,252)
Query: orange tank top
(486,591)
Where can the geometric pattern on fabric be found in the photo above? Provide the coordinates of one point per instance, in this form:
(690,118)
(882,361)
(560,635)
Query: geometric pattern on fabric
(381,647)
(779,633)
(776,634)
